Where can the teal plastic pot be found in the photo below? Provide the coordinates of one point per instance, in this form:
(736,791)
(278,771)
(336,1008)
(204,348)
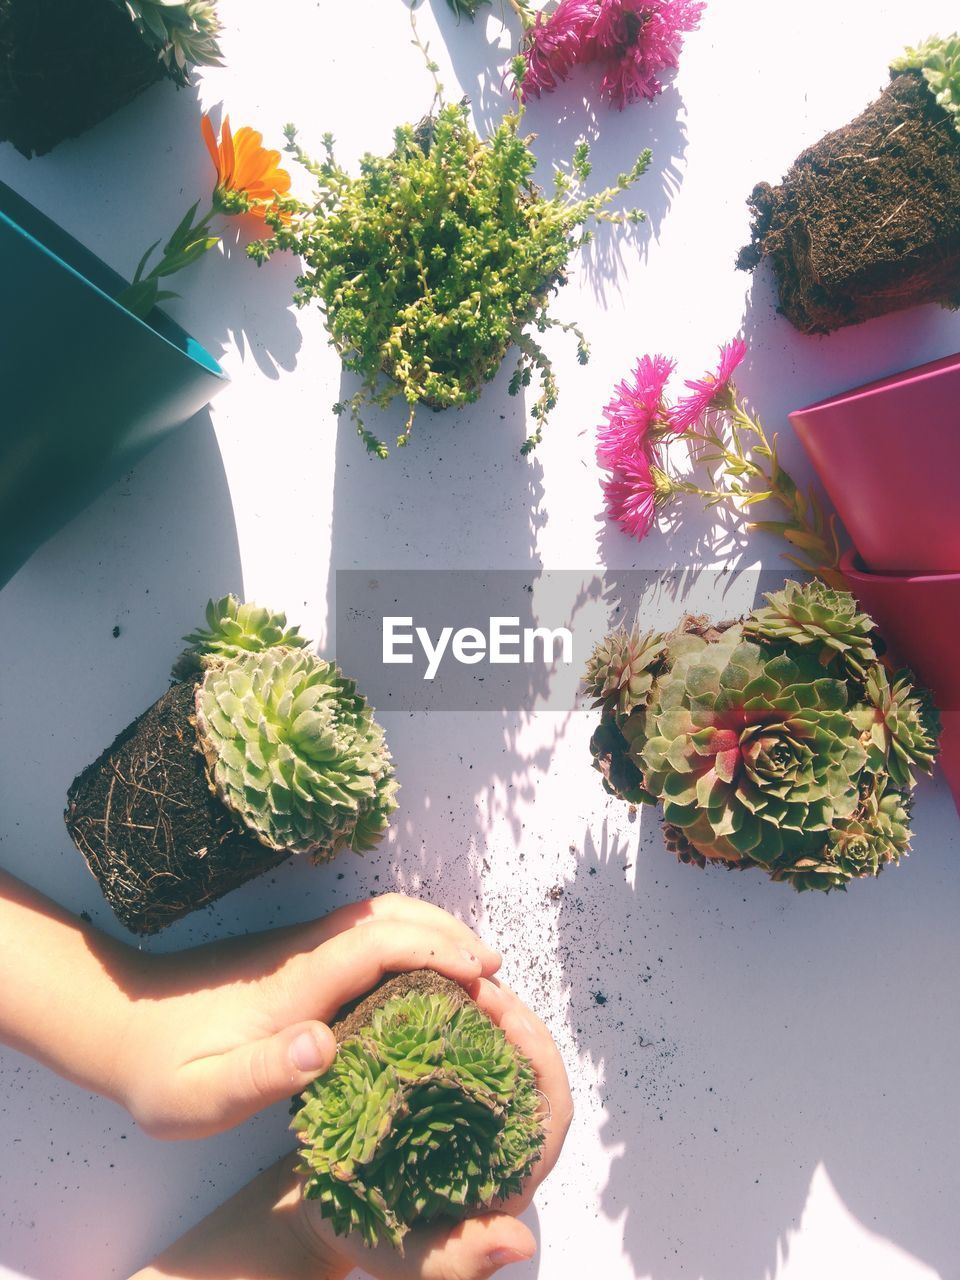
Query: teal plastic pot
(86,387)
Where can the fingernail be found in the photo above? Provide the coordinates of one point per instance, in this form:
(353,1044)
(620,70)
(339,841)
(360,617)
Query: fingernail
(306,1052)
(503,1257)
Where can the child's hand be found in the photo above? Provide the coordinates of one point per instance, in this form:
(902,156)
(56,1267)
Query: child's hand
(217,1033)
(269,1230)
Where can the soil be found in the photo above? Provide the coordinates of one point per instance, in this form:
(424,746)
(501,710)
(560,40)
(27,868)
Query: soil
(152,831)
(64,66)
(354,1017)
(867,221)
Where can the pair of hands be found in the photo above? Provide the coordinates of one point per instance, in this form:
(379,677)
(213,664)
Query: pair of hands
(215,1034)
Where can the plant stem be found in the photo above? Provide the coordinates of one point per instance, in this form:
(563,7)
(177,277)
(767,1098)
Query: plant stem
(746,471)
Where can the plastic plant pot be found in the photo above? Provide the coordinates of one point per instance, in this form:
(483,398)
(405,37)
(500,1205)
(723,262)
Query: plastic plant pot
(87,387)
(889,454)
(919,617)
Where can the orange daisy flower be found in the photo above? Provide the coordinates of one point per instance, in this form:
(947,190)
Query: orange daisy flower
(244,166)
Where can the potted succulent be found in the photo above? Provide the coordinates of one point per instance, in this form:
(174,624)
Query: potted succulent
(65,65)
(258,750)
(780,742)
(427,1112)
(126,375)
(437,259)
(889,454)
(867,221)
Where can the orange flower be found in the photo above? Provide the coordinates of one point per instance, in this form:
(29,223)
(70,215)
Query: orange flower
(244,166)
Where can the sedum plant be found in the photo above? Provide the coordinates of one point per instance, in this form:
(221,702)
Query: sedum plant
(184,33)
(433,261)
(428,1111)
(778,742)
(292,749)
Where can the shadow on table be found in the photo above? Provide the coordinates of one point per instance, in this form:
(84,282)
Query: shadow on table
(746,1035)
(559,120)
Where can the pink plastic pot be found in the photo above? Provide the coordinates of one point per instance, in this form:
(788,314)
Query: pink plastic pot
(889,457)
(919,617)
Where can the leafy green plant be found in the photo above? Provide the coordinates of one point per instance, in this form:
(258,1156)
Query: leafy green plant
(437,258)
(183,32)
(778,742)
(292,749)
(428,1111)
(938,59)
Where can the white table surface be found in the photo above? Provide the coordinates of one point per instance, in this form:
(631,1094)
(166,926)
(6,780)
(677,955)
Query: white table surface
(769,1089)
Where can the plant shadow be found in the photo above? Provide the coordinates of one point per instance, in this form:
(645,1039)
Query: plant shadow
(745,1036)
(559,120)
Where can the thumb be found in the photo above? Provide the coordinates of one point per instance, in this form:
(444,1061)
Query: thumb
(235,1085)
(478,1248)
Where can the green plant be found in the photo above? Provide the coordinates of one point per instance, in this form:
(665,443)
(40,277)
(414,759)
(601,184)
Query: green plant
(427,1111)
(777,742)
(293,750)
(437,259)
(183,32)
(232,629)
(938,59)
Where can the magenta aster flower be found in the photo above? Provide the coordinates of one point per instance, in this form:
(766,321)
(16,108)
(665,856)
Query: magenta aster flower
(554,45)
(633,494)
(635,41)
(636,406)
(709,391)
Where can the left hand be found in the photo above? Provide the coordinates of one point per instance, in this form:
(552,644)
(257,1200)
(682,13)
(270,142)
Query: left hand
(219,1032)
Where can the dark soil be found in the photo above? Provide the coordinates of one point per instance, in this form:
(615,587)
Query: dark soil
(156,837)
(868,219)
(65,65)
(354,1017)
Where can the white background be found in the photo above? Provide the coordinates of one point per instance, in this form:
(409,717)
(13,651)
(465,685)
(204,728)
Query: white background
(769,1089)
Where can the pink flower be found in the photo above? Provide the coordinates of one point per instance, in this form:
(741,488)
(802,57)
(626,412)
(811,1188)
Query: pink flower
(708,392)
(636,406)
(554,45)
(632,495)
(633,40)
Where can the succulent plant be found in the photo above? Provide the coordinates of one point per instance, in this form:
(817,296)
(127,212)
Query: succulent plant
(819,616)
(902,725)
(294,751)
(938,59)
(427,1111)
(778,742)
(467,8)
(183,32)
(232,629)
(621,670)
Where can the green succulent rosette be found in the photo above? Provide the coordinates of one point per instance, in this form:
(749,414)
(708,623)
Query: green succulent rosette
(294,751)
(814,615)
(752,754)
(901,725)
(780,742)
(184,33)
(621,669)
(232,629)
(427,1111)
(938,61)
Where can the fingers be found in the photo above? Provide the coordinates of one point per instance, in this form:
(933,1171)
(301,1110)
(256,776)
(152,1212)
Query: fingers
(353,962)
(531,1036)
(472,1250)
(225,1089)
(396,906)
